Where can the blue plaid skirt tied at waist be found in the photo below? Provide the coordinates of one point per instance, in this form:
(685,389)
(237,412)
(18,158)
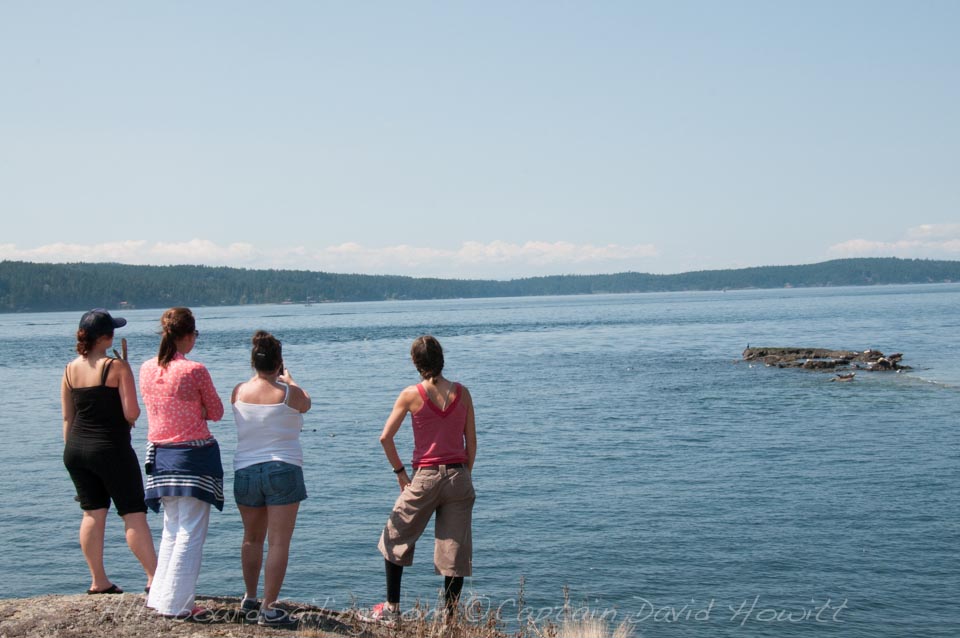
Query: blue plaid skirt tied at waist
(192,469)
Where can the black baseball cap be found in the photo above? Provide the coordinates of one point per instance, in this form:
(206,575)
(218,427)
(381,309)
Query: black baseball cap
(98,322)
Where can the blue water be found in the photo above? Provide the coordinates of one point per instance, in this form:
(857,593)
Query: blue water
(624,452)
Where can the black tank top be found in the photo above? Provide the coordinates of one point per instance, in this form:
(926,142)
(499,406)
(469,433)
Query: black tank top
(99,416)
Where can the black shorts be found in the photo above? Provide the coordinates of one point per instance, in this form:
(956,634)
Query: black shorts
(103,473)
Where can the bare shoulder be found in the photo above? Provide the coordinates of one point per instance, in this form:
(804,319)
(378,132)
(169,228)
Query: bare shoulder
(67,377)
(236,392)
(408,395)
(298,391)
(121,368)
(465,394)
(298,398)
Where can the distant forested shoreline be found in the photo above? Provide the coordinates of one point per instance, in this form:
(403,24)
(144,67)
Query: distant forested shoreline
(36,287)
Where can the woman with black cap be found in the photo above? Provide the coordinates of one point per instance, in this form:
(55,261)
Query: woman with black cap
(99,399)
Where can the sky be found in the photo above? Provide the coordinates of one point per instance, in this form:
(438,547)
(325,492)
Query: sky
(479,139)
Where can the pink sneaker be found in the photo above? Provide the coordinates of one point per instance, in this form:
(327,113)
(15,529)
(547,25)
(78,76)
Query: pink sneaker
(382,614)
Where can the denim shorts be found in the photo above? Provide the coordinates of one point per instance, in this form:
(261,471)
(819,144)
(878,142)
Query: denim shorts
(270,483)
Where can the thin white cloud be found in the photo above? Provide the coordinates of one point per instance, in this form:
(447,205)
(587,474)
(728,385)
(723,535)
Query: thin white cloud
(931,241)
(476,259)
(205,250)
(496,259)
(935,231)
(543,253)
(121,251)
(196,251)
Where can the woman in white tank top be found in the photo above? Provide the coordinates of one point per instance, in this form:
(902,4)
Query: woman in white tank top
(268,476)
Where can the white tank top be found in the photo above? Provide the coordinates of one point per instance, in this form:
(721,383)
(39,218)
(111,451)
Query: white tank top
(269,432)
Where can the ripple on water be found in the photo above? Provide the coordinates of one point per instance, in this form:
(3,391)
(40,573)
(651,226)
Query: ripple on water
(623,452)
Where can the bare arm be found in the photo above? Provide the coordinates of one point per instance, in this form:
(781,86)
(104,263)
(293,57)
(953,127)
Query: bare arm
(390,429)
(128,392)
(470,430)
(299,399)
(66,404)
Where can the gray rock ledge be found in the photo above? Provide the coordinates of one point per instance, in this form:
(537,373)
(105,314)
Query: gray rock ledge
(824,359)
(124,616)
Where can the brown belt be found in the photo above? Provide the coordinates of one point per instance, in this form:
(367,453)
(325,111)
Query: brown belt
(449,466)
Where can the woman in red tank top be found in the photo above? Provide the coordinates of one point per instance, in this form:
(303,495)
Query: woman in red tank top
(445,446)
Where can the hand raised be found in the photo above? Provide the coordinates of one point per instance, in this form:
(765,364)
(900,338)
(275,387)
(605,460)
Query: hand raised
(123,350)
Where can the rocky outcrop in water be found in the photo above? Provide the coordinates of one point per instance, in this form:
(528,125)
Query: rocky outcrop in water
(824,359)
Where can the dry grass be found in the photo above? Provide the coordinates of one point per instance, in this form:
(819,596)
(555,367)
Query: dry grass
(585,628)
(476,621)
(125,616)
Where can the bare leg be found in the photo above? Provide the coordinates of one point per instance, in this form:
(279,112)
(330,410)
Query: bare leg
(251,551)
(281,520)
(92,527)
(140,542)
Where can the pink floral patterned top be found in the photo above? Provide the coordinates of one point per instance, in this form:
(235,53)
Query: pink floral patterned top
(176,397)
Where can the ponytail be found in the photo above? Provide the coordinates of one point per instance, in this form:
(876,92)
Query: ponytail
(175,324)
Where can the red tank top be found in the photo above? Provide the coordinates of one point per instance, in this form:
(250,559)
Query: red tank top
(438,435)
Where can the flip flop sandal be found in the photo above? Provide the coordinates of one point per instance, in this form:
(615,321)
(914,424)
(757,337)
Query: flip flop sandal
(112,589)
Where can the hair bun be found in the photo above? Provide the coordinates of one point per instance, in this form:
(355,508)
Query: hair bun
(266,354)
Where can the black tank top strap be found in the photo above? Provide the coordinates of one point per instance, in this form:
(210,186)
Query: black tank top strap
(66,376)
(106,371)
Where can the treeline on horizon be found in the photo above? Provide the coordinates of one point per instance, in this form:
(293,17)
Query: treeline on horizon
(36,287)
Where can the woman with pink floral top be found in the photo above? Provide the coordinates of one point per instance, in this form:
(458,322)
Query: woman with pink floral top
(183,461)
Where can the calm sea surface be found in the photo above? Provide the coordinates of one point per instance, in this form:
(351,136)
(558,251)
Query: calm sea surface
(624,452)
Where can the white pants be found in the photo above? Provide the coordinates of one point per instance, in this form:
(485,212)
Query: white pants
(174,587)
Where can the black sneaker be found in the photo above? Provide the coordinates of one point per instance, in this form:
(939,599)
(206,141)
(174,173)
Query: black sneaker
(249,608)
(275,618)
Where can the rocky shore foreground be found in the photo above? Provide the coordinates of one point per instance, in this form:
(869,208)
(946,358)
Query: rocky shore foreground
(124,616)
